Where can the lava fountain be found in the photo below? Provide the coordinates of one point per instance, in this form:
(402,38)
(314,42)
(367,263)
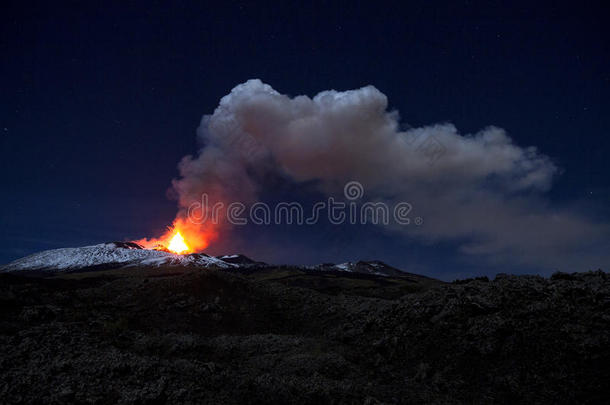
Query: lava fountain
(183,237)
(177,244)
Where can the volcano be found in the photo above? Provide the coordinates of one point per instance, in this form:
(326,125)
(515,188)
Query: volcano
(114,255)
(109,255)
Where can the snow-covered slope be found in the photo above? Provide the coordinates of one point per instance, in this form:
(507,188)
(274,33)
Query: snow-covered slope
(115,254)
(374,267)
(129,254)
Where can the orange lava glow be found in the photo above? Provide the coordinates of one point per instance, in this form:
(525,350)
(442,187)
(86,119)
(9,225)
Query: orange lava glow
(177,244)
(182,237)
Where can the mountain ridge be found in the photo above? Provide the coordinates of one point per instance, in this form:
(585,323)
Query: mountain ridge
(112,255)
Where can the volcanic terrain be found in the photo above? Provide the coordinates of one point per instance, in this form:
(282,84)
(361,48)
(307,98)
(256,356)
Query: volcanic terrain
(82,326)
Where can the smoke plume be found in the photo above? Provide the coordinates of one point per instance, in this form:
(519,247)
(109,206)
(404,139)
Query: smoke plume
(480,190)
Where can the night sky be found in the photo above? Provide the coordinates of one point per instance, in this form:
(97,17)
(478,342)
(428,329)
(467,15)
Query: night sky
(100,101)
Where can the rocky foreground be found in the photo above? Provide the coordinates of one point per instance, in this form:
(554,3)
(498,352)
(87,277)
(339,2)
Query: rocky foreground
(284,335)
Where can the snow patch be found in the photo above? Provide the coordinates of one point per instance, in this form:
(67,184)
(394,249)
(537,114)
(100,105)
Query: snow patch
(344,266)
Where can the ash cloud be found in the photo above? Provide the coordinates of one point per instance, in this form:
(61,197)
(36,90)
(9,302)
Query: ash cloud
(480,190)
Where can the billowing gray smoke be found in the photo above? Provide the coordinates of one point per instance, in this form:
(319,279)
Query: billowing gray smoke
(480,190)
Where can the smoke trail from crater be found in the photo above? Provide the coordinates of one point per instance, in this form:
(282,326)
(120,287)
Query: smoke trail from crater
(480,189)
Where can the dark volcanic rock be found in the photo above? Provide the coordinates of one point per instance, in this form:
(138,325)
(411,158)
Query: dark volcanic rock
(282,335)
(241,260)
(127,245)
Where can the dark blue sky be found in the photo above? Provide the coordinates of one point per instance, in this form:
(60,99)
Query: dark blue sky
(99,101)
